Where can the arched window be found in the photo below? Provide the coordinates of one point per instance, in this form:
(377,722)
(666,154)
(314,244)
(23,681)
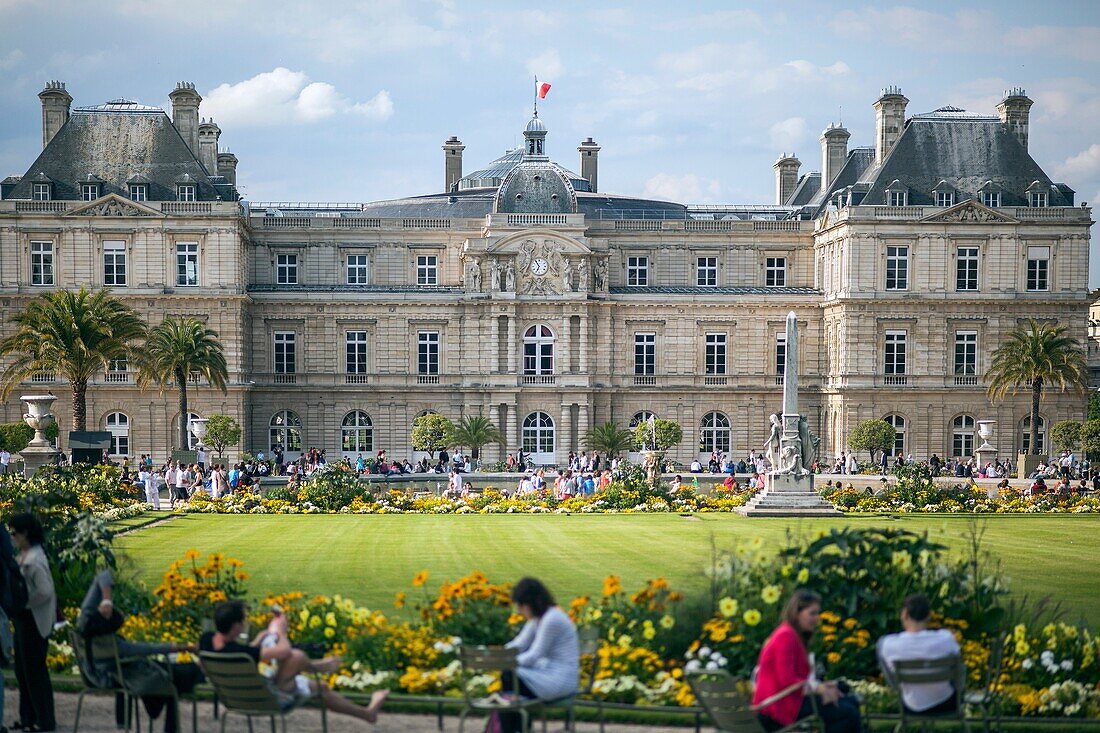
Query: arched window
(1025,435)
(192,441)
(118,425)
(286,431)
(899,433)
(538,434)
(538,350)
(962,436)
(641,417)
(357,433)
(714,436)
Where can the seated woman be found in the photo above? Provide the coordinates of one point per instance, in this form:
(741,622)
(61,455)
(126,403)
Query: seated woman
(785,667)
(549,654)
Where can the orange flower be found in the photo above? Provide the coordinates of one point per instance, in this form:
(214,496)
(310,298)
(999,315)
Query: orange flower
(399,600)
(420,578)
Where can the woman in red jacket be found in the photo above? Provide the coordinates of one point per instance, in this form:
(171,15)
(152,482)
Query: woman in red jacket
(785,674)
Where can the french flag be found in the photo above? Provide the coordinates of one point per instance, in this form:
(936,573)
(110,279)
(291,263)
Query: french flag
(542,88)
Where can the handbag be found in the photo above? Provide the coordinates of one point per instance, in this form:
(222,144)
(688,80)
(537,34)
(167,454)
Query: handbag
(492,725)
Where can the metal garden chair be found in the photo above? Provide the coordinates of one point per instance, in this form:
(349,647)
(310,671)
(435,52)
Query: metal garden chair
(477,660)
(922,671)
(243,690)
(728,702)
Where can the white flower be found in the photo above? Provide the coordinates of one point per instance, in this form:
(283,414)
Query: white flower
(692,666)
(711,666)
(704,652)
(1027,664)
(1067,665)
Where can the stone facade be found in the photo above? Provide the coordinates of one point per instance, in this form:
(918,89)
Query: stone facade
(560,314)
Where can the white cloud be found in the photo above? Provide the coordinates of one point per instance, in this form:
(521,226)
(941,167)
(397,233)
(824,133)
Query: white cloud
(1081,42)
(748,66)
(788,134)
(686,188)
(547,65)
(11,58)
(283,96)
(1084,166)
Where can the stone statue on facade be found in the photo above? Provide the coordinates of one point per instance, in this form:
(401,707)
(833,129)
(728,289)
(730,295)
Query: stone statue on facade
(599,276)
(567,276)
(582,275)
(473,275)
(494,274)
(510,277)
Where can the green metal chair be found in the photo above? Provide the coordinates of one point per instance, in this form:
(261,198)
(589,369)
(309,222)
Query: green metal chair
(987,699)
(922,671)
(243,690)
(728,702)
(588,642)
(476,660)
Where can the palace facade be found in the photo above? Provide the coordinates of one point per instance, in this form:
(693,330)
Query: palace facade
(524,293)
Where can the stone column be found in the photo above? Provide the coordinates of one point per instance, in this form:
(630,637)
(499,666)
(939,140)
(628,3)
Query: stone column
(583,420)
(584,343)
(512,355)
(512,437)
(494,367)
(563,434)
(564,346)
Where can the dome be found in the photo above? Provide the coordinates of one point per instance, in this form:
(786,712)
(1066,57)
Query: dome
(535,125)
(536,187)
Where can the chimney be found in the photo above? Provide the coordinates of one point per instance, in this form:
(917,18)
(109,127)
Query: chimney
(889,121)
(590,155)
(834,152)
(185,113)
(1015,109)
(208,145)
(55,109)
(786,177)
(227,166)
(452,163)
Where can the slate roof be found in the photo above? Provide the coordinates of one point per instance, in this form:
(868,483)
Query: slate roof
(495,172)
(804,192)
(476,203)
(859,160)
(966,151)
(692,290)
(117,142)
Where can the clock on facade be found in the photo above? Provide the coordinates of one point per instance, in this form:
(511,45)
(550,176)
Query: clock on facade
(539,266)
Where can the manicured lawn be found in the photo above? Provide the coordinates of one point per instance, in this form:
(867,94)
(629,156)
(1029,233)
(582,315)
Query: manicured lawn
(369,558)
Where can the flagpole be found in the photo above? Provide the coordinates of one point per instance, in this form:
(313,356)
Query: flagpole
(536,95)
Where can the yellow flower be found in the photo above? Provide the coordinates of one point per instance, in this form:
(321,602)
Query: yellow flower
(649,633)
(667,622)
(1022,648)
(329,632)
(752,617)
(625,641)
(330,619)
(785,571)
(399,600)
(832,657)
(728,607)
(314,622)
(612,585)
(770,594)
(803,575)
(902,560)
(757,543)
(420,578)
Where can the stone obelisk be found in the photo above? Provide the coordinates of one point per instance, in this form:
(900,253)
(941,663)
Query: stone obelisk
(789,485)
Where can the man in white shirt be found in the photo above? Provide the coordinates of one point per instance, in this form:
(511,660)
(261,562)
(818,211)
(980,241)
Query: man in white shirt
(920,642)
(5,459)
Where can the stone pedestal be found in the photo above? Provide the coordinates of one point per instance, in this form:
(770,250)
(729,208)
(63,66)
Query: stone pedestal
(1026,464)
(789,495)
(39,452)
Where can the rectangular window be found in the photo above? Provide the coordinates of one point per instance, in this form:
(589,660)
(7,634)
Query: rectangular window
(775,272)
(966,353)
(1038,268)
(286,269)
(897,198)
(40,192)
(89,191)
(114,264)
(356,352)
(117,370)
(895,353)
(945,198)
(645,354)
(185,193)
(706,272)
(427,270)
(285,361)
(139,192)
(427,352)
(897,268)
(715,357)
(41,263)
(187,264)
(1038,199)
(781,353)
(357,269)
(637,271)
(992,199)
(966,268)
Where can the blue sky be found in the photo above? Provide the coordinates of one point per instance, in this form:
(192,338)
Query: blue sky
(343,101)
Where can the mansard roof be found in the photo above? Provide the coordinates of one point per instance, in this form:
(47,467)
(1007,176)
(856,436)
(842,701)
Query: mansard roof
(120,142)
(471,204)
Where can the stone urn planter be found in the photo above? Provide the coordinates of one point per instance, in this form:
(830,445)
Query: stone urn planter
(198,428)
(38,416)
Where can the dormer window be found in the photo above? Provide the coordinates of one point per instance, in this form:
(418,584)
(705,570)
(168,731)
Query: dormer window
(41,192)
(139,192)
(1038,199)
(185,192)
(89,191)
(897,194)
(944,194)
(992,199)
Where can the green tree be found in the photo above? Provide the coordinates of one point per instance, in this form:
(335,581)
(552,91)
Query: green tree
(474,432)
(15,436)
(666,434)
(176,349)
(222,431)
(1065,435)
(609,439)
(74,335)
(1034,356)
(1094,407)
(1090,437)
(873,435)
(432,432)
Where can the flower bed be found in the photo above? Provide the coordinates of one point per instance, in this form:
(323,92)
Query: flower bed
(652,637)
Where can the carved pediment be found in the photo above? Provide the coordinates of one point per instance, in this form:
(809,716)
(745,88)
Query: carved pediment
(969,212)
(542,238)
(113,205)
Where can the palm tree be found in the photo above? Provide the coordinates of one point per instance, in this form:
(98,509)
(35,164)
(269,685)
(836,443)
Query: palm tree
(176,349)
(1033,356)
(74,335)
(475,431)
(609,439)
